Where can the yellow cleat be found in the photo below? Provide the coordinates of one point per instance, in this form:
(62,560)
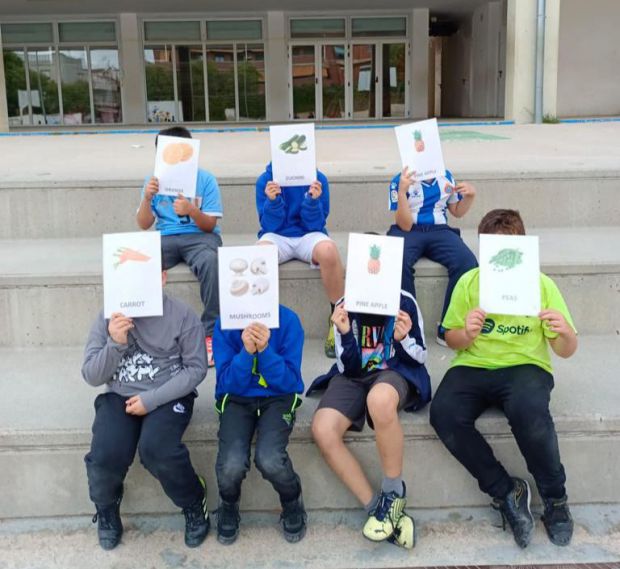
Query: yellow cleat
(404,534)
(382,523)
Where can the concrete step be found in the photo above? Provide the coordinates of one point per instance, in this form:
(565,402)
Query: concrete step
(469,538)
(46,281)
(66,208)
(46,413)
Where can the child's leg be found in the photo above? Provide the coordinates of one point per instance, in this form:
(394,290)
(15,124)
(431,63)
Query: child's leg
(112,450)
(237,424)
(414,246)
(324,253)
(170,251)
(285,245)
(526,404)
(164,455)
(462,396)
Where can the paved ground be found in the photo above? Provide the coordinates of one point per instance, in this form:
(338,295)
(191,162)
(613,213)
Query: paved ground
(342,152)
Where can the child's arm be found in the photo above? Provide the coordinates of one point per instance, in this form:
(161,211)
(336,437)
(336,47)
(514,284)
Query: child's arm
(233,365)
(270,205)
(403,216)
(565,343)
(205,213)
(315,206)
(105,348)
(145,217)
(348,353)
(183,207)
(462,338)
(409,336)
(465,193)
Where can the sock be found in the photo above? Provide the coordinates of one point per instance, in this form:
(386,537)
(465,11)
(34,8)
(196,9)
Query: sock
(393,485)
(372,504)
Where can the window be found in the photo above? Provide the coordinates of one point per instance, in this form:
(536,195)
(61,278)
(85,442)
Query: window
(87,32)
(234,30)
(317,27)
(172,31)
(27,33)
(373,27)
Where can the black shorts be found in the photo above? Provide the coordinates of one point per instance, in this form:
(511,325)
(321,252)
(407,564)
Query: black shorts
(348,395)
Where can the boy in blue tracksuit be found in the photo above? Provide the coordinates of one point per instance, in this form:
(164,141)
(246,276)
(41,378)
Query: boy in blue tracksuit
(257,385)
(380,370)
(293,219)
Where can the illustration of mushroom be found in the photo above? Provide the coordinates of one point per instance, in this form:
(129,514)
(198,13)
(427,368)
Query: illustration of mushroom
(260,286)
(239,287)
(258,266)
(238,266)
(419,143)
(374,264)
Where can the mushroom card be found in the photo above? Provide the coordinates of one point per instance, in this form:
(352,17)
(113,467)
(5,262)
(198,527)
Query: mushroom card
(374,270)
(420,149)
(249,291)
(176,165)
(293,154)
(509,274)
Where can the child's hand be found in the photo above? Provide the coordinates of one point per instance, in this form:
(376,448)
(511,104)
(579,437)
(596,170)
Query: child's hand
(272,190)
(465,189)
(248,340)
(118,327)
(340,318)
(260,334)
(151,189)
(474,321)
(402,326)
(134,406)
(556,322)
(406,179)
(316,189)
(182,206)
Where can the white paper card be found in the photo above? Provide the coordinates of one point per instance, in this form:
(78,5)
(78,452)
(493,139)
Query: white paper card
(509,274)
(293,154)
(176,165)
(420,149)
(132,274)
(374,270)
(249,291)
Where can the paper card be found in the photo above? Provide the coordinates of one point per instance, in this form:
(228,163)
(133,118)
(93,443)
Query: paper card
(293,154)
(509,274)
(420,149)
(374,270)
(176,165)
(249,287)
(132,274)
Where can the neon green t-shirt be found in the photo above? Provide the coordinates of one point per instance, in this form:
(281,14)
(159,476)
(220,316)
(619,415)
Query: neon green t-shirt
(505,340)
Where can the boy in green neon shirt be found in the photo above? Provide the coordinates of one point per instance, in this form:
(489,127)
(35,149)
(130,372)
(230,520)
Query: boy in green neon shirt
(503,361)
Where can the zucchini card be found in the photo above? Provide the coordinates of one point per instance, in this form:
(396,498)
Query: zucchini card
(293,154)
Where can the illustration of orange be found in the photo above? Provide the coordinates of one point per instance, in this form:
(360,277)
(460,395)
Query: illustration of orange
(177,152)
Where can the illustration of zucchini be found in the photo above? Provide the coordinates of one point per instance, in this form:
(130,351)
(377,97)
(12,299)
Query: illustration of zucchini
(295,144)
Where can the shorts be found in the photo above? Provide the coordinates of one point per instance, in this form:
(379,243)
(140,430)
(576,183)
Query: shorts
(300,248)
(348,395)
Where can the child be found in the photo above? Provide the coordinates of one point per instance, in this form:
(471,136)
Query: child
(150,367)
(189,233)
(293,218)
(422,221)
(257,385)
(511,371)
(380,370)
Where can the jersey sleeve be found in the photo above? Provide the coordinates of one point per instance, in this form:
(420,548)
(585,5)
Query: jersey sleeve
(454,196)
(552,299)
(459,305)
(211,198)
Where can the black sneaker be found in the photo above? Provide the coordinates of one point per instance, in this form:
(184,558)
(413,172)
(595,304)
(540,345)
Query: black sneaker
(293,520)
(109,524)
(558,521)
(197,520)
(515,509)
(228,522)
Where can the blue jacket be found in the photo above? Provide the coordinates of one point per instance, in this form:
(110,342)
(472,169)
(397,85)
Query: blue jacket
(406,358)
(293,213)
(275,371)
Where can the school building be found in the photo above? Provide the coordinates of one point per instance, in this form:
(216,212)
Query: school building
(139,62)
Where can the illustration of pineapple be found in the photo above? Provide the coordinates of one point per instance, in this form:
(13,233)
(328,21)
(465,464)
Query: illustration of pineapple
(374,264)
(419,143)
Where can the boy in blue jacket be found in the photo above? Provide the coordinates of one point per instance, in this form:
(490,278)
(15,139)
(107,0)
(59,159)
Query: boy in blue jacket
(293,219)
(257,385)
(380,370)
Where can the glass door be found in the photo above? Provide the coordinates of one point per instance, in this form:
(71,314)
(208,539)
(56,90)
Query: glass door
(333,81)
(303,81)
(393,80)
(365,80)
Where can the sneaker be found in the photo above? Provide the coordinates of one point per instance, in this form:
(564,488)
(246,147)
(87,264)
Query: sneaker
(109,524)
(382,523)
(515,509)
(330,343)
(293,520)
(441,336)
(197,520)
(209,346)
(404,534)
(228,522)
(557,520)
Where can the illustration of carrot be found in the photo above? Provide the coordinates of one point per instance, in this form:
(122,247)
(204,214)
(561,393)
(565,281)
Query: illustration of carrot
(125,254)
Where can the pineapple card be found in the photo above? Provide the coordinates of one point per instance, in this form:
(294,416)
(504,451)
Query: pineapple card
(249,287)
(132,282)
(509,274)
(293,154)
(176,165)
(420,149)
(374,270)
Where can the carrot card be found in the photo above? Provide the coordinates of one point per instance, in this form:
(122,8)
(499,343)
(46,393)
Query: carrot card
(132,281)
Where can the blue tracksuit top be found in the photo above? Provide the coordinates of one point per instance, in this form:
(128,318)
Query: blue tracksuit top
(274,371)
(293,213)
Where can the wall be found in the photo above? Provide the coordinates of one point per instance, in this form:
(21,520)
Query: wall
(589,58)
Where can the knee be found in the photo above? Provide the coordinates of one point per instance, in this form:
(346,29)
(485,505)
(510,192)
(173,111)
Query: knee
(326,253)
(154,453)
(206,263)
(382,403)
(108,455)
(325,434)
(270,462)
(232,466)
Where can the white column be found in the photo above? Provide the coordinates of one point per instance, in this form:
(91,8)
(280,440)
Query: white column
(132,67)
(4,110)
(276,68)
(418,65)
(552,48)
